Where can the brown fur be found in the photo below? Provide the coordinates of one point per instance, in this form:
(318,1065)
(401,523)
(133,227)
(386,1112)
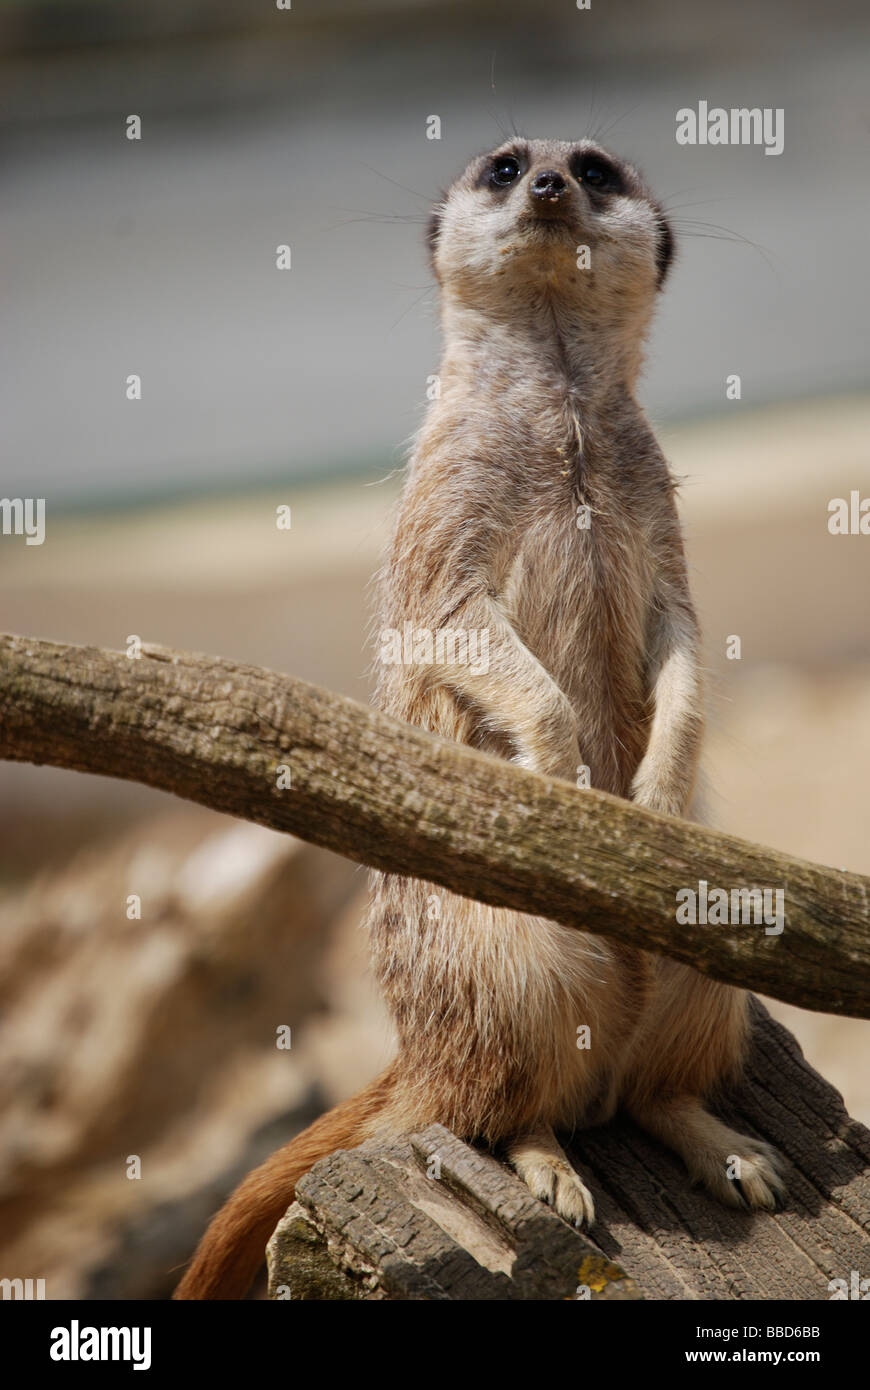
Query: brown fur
(593,659)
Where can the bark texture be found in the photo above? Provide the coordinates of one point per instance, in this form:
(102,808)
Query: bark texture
(392,796)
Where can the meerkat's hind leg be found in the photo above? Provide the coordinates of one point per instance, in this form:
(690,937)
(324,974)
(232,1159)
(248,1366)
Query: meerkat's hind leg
(739,1170)
(541,1162)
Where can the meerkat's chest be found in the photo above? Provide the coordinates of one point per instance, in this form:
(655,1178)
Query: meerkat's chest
(577,564)
(579,592)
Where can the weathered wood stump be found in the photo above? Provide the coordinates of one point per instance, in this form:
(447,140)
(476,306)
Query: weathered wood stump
(429,1217)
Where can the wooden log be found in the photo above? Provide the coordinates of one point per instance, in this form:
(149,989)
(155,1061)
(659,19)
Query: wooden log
(429,1217)
(393,796)
(369,1223)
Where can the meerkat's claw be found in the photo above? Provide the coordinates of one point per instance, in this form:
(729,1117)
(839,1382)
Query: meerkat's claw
(564,1191)
(749,1176)
(541,1163)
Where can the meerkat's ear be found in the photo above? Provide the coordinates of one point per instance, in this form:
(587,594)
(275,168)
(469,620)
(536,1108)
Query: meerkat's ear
(433,231)
(665,249)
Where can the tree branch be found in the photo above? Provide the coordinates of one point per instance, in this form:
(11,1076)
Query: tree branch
(392,796)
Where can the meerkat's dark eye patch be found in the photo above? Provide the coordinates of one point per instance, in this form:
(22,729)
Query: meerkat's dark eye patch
(504,170)
(596,173)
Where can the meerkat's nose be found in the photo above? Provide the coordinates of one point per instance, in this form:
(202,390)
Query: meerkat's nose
(548,186)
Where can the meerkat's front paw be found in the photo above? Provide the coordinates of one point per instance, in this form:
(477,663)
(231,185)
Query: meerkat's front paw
(748,1175)
(654,796)
(541,1163)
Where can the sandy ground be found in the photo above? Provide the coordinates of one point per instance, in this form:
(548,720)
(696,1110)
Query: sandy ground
(789,741)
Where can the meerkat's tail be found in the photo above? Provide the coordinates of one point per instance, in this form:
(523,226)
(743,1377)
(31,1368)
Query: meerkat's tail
(232,1249)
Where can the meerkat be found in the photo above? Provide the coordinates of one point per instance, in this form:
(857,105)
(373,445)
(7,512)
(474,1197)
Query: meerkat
(537,510)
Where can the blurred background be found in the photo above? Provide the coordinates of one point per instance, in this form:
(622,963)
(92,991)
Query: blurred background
(155,1039)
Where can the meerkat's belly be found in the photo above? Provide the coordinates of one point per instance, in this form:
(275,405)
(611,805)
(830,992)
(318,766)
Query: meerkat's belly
(581,605)
(506,1019)
(503,1018)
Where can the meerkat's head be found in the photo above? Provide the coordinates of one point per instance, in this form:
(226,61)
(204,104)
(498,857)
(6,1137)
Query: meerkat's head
(553,215)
